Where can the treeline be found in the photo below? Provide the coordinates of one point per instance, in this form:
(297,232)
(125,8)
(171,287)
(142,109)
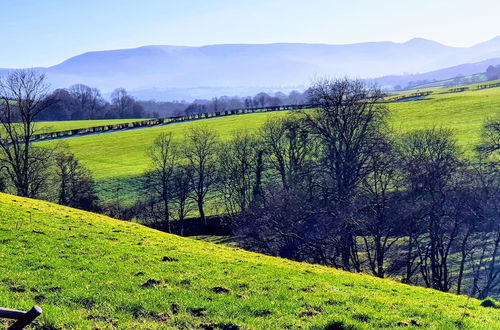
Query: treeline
(337,187)
(261,100)
(459,80)
(81,102)
(491,73)
(413,83)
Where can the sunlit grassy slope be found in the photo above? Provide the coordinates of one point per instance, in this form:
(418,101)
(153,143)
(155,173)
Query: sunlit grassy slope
(464,113)
(89,271)
(116,158)
(124,153)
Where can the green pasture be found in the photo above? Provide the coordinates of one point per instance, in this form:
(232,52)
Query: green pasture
(117,158)
(124,153)
(88,271)
(464,113)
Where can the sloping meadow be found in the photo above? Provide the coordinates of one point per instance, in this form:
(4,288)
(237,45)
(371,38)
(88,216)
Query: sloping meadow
(90,271)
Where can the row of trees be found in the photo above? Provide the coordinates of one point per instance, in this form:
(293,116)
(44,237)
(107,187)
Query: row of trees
(259,100)
(337,187)
(80,102)
(459,80)
(491,73)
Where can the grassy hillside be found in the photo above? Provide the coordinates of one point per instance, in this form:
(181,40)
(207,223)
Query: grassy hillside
(464,113)
(124,153)
(89,271)
(116,158)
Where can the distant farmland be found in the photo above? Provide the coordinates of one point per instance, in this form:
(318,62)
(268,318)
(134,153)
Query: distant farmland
(117,158)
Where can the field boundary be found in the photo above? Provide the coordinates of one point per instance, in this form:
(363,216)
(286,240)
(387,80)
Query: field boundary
(161,121)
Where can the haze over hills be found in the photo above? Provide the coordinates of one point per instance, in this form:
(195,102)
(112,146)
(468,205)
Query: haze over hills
(238,69)
(441,74)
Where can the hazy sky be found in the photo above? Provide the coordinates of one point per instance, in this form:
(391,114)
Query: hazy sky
(46,32)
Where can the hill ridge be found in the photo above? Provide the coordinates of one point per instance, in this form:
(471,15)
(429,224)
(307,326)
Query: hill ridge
(282,65)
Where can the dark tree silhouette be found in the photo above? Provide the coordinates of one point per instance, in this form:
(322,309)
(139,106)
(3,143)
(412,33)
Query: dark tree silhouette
(23,96)
(348,124)
(163,154)
(200,149)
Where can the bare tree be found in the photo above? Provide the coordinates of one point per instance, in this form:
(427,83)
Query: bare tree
(96,102)
(200,149)
(249,103)
(81,97)
(219,103)
(431,166)
(261,99)
(122,101)
(87,100)
(379,207)
(348,122)
(23,96)
(236,181)
(290,148)
(285,226)
(163,154)
(484,201)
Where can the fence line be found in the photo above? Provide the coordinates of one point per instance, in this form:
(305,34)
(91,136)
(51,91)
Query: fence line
(491,85)
(162,121)
(411,96)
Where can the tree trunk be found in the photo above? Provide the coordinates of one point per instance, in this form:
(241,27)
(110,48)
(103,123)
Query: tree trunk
(201,211)
(380,257)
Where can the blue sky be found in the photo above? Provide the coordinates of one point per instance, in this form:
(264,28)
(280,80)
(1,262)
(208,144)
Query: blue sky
(46,32)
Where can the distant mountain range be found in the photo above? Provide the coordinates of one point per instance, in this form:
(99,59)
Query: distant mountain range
(239,69)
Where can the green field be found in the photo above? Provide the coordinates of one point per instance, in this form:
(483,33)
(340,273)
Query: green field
(464,113)
(117,158)
(89,271)
(124,153)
